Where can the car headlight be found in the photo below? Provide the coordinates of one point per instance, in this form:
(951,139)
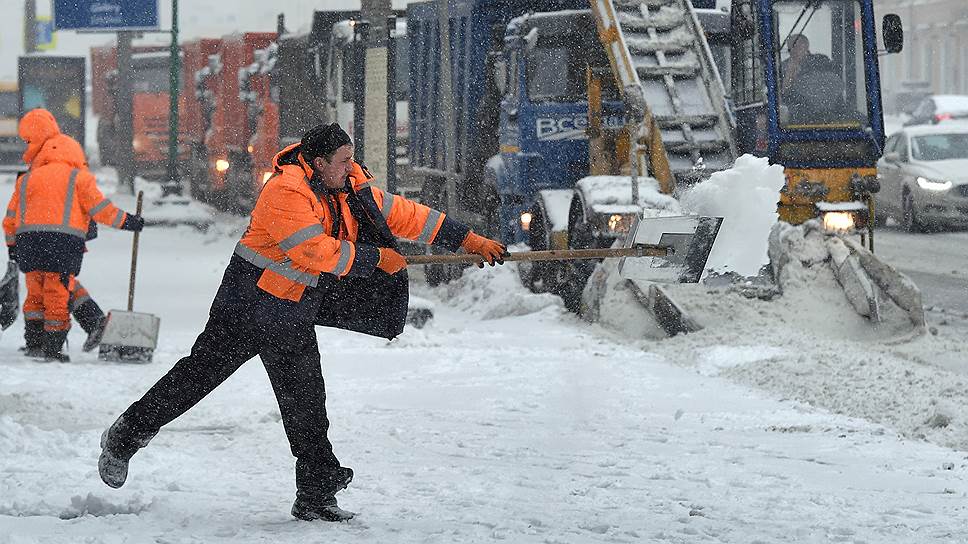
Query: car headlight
(525,219)
(933,185)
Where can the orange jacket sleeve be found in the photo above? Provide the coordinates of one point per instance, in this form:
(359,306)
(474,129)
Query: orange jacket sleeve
(95,205)
(414,221)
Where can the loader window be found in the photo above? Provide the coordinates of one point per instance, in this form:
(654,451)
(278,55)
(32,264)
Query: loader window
(818,49)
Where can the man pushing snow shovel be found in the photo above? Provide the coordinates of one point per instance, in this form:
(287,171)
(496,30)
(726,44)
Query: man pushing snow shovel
(320,249)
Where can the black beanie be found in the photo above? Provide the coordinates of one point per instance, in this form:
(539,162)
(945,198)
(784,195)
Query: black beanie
(322,141)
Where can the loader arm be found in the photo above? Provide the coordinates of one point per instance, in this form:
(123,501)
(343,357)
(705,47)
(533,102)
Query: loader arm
(664,69)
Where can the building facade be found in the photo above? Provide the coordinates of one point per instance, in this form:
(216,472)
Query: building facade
(935,51)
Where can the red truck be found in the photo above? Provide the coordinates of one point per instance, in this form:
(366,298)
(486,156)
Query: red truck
(227,136)
(194,120)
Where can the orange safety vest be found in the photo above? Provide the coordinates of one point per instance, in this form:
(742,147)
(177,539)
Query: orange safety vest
(291,237)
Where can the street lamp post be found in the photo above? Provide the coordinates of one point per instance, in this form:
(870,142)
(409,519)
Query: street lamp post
(173,182)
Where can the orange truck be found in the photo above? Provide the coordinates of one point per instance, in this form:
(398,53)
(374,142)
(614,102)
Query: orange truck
(227,138)
(194,120)
(150,105)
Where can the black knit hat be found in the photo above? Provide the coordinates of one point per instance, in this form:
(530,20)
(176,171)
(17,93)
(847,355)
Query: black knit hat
(322,141)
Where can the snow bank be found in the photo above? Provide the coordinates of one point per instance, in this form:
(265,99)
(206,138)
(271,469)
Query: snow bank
(496,292)
(745,196)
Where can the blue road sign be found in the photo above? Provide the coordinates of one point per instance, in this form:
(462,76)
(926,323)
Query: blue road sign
(105,14)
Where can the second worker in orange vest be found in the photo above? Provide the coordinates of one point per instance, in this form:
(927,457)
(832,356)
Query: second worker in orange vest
(47,222)
(320,249)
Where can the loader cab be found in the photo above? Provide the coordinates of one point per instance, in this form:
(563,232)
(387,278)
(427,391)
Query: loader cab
(807,94)
(544,109)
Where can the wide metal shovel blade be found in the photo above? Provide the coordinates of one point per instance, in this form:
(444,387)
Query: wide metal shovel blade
(691,238)
(129,337)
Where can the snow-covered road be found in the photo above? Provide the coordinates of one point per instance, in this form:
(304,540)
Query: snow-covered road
(504,419)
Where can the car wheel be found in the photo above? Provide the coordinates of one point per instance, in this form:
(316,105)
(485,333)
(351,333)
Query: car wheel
(909,214)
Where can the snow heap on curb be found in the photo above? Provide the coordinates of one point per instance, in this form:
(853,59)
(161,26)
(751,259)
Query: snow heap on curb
(745,196)
(496,292)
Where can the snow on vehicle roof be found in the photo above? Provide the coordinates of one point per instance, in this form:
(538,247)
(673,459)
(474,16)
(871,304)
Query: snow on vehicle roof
(951,102)
(515,24)
(945,127)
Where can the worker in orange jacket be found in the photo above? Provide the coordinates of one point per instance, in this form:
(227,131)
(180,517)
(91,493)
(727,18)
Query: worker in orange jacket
(47,223)
(41,125)
(320,248)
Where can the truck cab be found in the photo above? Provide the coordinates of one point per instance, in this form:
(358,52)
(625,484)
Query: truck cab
(544,117)
(807,94)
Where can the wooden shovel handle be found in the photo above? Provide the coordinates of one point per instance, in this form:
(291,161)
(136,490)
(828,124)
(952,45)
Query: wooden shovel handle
(134,256)
(547,255)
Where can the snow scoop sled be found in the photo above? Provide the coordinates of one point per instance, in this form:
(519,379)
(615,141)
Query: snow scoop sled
(130,336)
(9,296)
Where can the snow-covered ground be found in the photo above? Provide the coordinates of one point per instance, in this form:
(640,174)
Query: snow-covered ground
(504,419)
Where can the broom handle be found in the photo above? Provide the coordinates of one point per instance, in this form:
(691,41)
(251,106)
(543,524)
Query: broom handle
(546,255)
(134,256)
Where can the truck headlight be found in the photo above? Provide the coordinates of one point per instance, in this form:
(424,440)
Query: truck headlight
(221,165)
(933,185)
(619,223)
(526,218)
(838,221)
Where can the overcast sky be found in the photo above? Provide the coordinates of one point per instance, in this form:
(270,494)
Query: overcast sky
(196,18)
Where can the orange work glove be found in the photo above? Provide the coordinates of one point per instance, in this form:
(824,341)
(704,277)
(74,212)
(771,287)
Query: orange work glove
(493,252)
(390,261)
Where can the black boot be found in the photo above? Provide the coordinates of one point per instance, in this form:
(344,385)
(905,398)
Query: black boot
(315,504)
(53,343)
(118,445)
(34,338)
(95,334)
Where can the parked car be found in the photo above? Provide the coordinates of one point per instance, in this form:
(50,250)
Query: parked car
(939,107)
(924,177)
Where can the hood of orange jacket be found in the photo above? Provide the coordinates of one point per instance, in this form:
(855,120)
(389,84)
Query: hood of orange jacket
(36,127)
(60,148)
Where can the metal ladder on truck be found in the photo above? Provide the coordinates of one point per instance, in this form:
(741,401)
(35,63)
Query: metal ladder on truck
(665,71)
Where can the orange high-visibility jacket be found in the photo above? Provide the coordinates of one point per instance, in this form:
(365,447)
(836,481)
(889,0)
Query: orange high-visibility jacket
(52,206)
(293,237)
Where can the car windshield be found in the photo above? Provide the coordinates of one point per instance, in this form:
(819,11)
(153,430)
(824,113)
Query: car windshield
(940,147)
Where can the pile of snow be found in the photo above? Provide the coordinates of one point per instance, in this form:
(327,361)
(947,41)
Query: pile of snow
(745,196)
(496,292)
(808,344)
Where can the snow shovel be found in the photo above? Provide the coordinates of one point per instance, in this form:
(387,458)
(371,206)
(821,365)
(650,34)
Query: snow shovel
(130,336)
(656,249)
(9,296)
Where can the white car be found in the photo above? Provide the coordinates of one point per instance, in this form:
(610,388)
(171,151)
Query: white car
(924,177)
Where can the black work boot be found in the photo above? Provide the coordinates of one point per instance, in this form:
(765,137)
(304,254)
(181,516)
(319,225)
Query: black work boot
(33,338)
(117,447)
(95,334)
(313,504)
(53,343)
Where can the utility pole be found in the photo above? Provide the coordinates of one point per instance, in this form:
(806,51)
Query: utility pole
(125,114)
(375,137)
(173,185)
(30,26)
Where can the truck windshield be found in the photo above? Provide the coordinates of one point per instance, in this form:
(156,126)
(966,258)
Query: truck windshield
(151,79)
(556,73)
(820,54)
(9,104)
